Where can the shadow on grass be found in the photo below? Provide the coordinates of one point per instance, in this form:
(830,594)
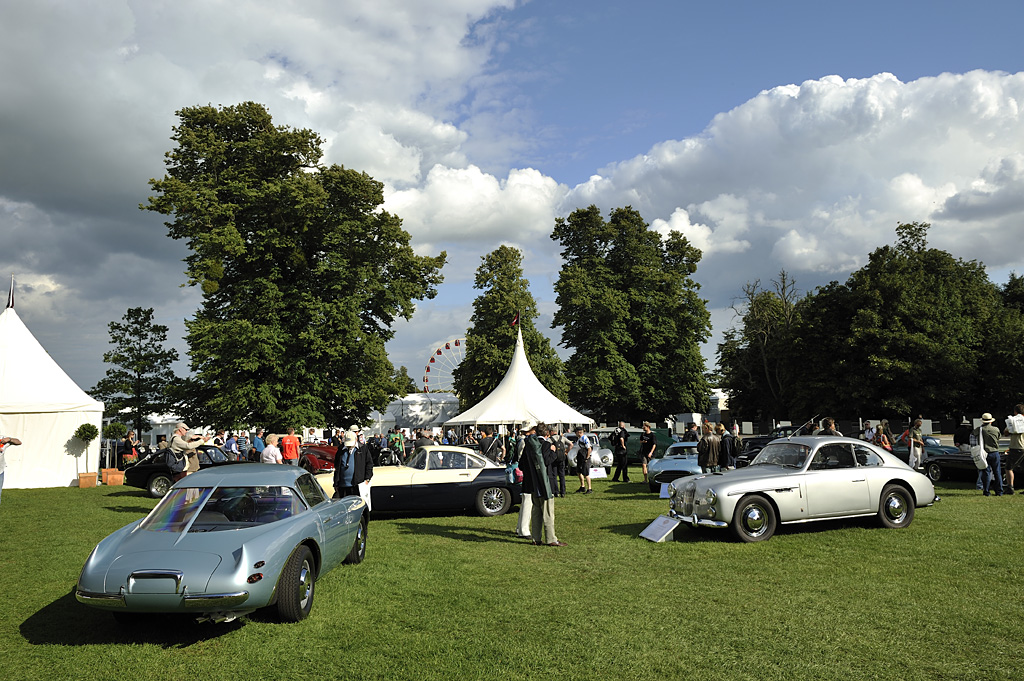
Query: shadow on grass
(688,535)
(130,493)
(459,533)
(632,488)
(137,510)
(66,622)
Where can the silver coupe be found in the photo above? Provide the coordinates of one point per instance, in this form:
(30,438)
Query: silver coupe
(224,542)
(800,480)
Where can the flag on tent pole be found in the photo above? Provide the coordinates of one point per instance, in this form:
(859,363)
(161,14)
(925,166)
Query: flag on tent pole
(515,320)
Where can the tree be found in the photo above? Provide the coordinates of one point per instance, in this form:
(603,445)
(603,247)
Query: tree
(630,311)
(755,360)
(904,335)
(918,328)
(491,337)
(404,383)
(141,370)
(302,273)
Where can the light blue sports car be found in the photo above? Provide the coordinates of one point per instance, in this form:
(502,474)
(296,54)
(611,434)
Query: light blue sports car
(224,542)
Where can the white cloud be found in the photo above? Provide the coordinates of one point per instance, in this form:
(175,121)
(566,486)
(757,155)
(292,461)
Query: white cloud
(808,177)
(466,204)
(813,177)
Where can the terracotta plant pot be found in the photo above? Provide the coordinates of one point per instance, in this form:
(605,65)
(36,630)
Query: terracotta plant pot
(105,473)
(87,479)
(115,478)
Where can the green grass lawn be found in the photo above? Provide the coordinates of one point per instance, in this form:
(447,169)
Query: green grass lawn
(460,598)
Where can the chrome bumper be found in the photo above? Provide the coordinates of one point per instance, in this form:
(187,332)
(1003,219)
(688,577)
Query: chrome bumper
(204,601)
(694,521)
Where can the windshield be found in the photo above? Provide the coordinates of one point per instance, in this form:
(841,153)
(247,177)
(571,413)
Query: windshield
(175,510)
(677,450)
(418,459)
(222,508)
(789,454)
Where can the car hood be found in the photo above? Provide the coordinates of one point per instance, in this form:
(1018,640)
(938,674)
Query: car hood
(750,474)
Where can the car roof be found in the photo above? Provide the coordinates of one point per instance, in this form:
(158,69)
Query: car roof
(244,475)
(447,448)
(815,440)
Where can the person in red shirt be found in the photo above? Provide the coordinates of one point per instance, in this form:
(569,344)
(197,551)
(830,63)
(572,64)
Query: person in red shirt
(290,448)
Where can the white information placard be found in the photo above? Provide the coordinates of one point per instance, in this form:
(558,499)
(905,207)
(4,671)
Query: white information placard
(660,529)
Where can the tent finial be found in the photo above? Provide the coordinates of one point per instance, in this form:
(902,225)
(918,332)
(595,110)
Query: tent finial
(10,296)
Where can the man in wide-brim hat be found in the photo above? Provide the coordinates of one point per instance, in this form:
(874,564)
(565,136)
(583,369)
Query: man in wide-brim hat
(993,475)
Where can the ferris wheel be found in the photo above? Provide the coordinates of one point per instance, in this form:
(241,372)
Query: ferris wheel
(439,372)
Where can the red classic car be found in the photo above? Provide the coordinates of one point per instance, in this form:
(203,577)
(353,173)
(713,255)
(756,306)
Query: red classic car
(317,458)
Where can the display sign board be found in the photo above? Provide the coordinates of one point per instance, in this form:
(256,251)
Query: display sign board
(660,529)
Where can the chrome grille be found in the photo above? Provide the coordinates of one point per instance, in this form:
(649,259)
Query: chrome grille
(688,491)
(669,476)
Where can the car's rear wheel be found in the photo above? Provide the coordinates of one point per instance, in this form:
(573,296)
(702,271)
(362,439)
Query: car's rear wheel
(158,485)
(492,501)
(896,508)
(934,471)
(754,519)
(298,583)
(358,551)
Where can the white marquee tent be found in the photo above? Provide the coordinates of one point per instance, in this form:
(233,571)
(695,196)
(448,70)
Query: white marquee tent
(41,406)
(520,397)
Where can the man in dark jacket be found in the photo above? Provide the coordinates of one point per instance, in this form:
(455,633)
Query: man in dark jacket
(352,465)
(618,440)
(538,455)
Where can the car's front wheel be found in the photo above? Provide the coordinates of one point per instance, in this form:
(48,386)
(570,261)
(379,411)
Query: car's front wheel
(298,582)
(358,551)
(158,485)
(492,501)
(896,508)
(754,519)
(934,471)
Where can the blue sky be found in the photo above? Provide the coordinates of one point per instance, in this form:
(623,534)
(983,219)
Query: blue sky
(606,80)
(787,135)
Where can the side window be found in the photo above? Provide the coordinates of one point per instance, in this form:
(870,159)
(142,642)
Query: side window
(474,462)
(311,490)
(832,456)
(866,457)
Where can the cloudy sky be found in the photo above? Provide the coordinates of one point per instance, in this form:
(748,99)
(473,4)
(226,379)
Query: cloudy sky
(789,135)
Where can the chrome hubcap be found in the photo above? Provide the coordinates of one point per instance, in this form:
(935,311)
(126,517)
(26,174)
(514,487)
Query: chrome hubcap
(895,508)
(305,583)
(754,520)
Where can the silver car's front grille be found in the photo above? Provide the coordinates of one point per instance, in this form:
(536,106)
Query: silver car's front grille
(689,489)
(669,476)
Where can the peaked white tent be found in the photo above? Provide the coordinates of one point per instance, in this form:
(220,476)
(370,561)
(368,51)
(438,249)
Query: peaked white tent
(41,406)
(520,397)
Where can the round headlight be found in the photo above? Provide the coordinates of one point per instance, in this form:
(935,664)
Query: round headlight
(710,497)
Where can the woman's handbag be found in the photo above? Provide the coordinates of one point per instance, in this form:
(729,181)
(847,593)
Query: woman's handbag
(178,463)
(978,453)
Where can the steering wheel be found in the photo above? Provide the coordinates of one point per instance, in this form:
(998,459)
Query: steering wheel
(243,510)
